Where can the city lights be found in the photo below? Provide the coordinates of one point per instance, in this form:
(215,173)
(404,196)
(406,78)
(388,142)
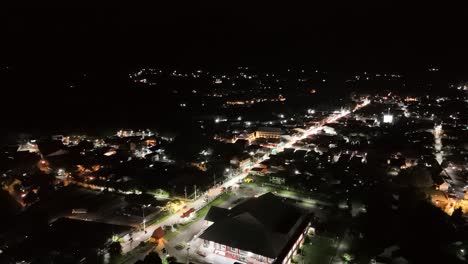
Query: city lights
(246,139)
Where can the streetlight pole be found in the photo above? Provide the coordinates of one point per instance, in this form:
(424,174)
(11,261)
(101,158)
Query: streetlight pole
(144,219)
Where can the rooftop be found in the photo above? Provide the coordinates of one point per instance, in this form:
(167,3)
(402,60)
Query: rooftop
(263,225)
(270,129)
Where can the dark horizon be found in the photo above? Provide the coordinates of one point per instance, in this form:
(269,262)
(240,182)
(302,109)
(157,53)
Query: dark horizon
(48,49)
(345,38)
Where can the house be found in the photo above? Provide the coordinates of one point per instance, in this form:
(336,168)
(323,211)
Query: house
(254,149)
(278,179)
(258,171)
(242,143)
(28,146)
(439,183)
(241,161)
(265,229)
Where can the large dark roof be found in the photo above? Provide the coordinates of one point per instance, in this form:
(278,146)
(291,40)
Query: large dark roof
(271,211)
(216,213)
(262,225)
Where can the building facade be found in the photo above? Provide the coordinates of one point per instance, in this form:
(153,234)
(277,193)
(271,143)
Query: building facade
(261,230)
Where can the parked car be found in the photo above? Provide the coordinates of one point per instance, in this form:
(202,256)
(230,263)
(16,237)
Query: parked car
(179,246)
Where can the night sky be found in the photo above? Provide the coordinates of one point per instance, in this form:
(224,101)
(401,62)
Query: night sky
(46,49)
(335,36)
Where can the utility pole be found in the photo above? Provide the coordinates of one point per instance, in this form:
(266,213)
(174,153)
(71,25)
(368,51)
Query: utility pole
(302,255)
(195,189)
(188,248)
(185,191)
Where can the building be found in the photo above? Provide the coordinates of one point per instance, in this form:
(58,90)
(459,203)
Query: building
(28,146)
(241,162)
(257,171)
(125,133)
(277,179)
(265,229)
(268,132)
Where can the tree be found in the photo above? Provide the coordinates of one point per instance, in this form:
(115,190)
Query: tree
(171,259)
(115,249)
(85,145)
(45,182)
(30,198)
(152,258)
(457,216)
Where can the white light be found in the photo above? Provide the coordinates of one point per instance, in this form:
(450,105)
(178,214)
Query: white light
(388,118)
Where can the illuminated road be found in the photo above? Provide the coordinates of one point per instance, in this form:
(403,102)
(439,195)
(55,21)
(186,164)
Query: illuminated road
(200,202)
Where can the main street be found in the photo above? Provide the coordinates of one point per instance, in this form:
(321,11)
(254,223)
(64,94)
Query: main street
(199,202)
(175,218)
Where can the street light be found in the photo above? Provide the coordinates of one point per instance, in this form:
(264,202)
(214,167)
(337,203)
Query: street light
(228,170)
(144,219)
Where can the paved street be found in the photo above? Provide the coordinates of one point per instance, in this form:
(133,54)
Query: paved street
(175,218)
